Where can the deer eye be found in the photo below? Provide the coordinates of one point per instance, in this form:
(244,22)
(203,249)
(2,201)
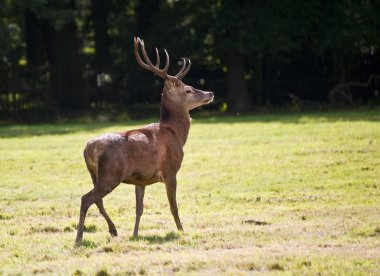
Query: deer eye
(188,91)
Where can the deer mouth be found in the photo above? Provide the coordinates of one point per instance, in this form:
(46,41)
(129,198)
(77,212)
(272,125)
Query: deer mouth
(207,101)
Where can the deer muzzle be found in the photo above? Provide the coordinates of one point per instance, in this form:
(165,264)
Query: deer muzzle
(208,97)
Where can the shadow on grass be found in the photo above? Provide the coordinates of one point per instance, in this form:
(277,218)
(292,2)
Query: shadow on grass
(87,244)
(288,117)
(9,130)
(156,239)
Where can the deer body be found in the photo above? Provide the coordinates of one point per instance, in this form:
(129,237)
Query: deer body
(147,155)
(140,157)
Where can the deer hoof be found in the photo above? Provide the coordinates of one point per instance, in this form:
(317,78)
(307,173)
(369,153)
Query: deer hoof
(77,243)
(113,232)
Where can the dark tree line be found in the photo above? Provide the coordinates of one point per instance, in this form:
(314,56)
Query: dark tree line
(63,55)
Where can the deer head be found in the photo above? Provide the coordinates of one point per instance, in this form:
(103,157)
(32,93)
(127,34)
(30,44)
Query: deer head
(175,90)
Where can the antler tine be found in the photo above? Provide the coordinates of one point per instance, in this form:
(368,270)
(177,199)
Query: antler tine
(167,62)
(180,76)
(158,59)
(145,55)
(137,42)
(183,67)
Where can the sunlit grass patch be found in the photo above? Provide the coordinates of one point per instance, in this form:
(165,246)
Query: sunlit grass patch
(157,239)
(296,194)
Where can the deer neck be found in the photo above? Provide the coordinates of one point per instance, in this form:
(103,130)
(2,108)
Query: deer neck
(176,118)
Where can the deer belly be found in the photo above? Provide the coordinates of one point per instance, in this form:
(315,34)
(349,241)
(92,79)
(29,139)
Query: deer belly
(137,177)
(141,169)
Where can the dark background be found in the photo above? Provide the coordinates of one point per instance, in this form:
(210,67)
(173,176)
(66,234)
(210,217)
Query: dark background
(68,57)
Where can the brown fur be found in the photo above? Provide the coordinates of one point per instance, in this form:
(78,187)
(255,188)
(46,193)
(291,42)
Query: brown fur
(143,156)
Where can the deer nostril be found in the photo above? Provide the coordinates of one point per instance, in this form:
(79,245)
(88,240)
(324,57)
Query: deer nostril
(210,97)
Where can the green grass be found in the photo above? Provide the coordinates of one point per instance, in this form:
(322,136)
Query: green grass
(313,180)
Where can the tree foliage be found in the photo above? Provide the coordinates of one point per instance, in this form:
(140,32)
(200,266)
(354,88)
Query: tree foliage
(251,52)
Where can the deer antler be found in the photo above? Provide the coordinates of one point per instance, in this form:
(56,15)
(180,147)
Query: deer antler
(148,65)
(184,70)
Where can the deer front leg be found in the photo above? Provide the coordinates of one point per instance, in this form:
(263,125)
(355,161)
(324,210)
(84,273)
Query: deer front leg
(139,191)
(171,187)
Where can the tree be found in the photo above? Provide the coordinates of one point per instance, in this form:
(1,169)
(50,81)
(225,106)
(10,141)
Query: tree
(242,31)
(52,38)
(34,40)
(99,15)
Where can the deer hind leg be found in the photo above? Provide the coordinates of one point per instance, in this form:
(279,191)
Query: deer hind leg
(111,225)
(94,196)
(139,191)
(171,187)
(87,200)
(99,204)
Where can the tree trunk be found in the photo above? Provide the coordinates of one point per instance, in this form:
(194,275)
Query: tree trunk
(144,13)
(258,79)
(237,89)
(99,10)
(33,39)
(66,82)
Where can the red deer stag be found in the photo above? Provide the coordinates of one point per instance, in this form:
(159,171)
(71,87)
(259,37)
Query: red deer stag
(147,155)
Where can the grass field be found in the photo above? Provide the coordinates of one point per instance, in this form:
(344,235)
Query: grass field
(312,180)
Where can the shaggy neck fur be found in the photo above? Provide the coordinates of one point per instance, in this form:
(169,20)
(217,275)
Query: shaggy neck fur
(175,118)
